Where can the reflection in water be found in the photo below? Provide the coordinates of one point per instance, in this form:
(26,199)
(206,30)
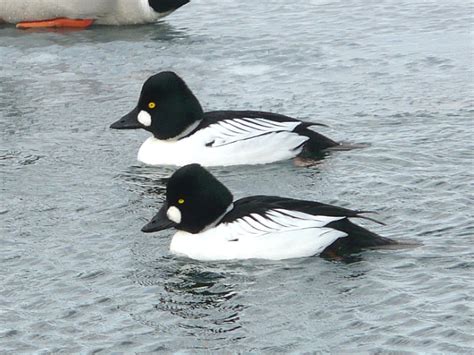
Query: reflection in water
(204,297)
(200,297)
(16,158)
(161,31)
(346,259)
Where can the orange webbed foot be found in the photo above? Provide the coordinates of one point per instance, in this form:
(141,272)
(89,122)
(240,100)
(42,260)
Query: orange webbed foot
(56,23)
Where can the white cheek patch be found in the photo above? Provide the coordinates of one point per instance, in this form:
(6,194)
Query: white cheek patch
(144,118)
(174,214)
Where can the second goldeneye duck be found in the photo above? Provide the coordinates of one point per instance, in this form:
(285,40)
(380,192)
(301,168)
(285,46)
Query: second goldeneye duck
(183,133)
(211,226)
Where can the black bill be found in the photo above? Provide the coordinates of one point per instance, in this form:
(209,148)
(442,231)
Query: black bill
(159,222)
(129,121)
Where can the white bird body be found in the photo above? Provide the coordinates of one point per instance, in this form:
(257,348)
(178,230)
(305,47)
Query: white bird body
(183,133)
(227,143)
(104,12)
(212,226)
(288,234)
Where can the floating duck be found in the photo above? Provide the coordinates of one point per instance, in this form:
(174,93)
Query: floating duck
(212,226)
(83,13)
(182,133)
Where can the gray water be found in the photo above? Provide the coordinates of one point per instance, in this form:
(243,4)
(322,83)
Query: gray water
(77,275)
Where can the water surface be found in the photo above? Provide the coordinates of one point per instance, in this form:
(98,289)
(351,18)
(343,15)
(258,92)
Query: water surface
(77,274)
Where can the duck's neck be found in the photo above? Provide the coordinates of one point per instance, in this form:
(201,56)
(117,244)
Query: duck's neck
(184,133)
(217,221)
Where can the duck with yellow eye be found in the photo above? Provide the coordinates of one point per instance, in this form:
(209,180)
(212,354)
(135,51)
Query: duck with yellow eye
(163,112)
(182,133)
(212,226)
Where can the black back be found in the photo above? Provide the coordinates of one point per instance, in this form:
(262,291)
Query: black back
(261,204)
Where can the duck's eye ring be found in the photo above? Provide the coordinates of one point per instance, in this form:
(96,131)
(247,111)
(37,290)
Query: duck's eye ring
(151,105)
(181,201)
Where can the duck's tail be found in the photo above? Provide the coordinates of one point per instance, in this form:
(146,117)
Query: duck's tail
(316,143)
(358,238)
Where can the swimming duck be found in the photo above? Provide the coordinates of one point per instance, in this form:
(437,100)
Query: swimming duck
(182,133)
(211,226)
(83,13)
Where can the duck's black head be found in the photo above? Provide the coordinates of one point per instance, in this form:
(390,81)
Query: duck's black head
(166,107)
(163,6)
(195,199)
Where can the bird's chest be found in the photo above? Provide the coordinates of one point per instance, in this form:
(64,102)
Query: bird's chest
(209,245)
(180,152)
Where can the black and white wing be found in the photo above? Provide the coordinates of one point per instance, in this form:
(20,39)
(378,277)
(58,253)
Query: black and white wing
(277,234)
(230,131)
(278,221)
(234,126)
(309,225)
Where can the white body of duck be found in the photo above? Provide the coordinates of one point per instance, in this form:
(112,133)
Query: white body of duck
(298,235)
(216,145)
(103,12)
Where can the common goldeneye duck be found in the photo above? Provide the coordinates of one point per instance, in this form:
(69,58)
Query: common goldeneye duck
(182,133)
(211,226)
(83,13)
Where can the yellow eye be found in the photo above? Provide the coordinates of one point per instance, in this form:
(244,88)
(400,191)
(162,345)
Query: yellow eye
(151,105)
(181,201)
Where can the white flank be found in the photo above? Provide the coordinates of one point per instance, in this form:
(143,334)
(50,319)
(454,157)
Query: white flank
(174,214)
(281,234)
(144,118)
(230,142)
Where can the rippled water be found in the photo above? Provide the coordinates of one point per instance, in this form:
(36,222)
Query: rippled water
(78,275)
